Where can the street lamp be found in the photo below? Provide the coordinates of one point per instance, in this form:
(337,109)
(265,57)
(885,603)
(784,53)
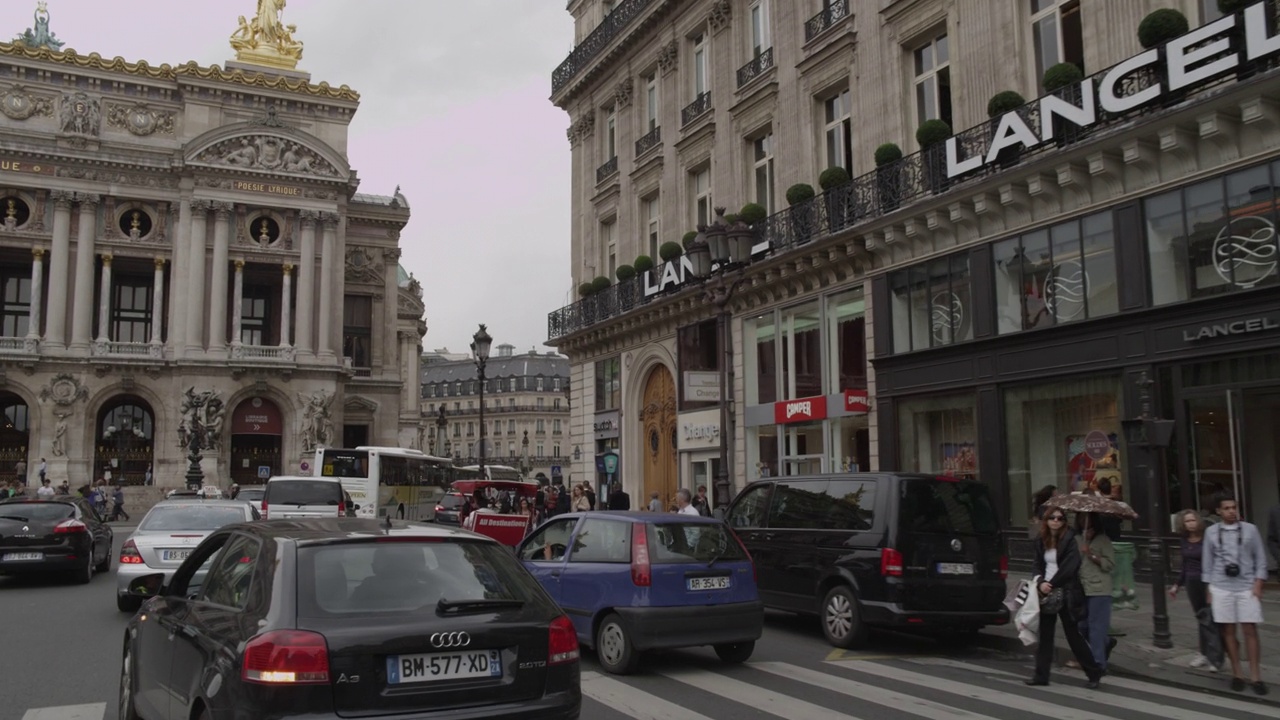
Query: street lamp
(720,294)
(441,424)
(525,465)
(1154,434)
(480,343)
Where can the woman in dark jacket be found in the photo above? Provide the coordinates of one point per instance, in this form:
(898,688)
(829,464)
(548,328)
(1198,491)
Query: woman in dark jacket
(1057,563)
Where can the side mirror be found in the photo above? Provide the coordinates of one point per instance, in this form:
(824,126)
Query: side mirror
(147,586)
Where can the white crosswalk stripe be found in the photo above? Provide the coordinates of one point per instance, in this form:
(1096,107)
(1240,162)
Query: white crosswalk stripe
(755,696)
(633,701)
(869,693)
(91,711)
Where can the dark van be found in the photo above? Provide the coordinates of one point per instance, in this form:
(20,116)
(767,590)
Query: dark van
(910,552)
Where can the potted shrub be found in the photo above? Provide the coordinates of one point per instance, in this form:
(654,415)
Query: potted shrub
(600,284)
(1230,6)
(585,289)
(685,241)
(799,193)
(643,264)
(834,182)
(800,198)
(750,214)
(1161,26)
(670,251)
(1060,76)
(1003,102)
(931,135)
(888,175)
(624,273)
(833,177)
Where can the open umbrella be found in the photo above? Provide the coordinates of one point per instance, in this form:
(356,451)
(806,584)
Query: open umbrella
(1091,504)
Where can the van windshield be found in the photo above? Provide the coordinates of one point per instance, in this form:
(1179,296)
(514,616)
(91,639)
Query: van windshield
(945,506)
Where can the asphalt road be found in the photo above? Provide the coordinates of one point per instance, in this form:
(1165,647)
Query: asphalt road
(60,659)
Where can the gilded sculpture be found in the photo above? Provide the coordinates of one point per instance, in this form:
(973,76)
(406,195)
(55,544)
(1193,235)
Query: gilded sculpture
(266,40)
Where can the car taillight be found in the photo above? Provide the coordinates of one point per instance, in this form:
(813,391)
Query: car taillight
(562,643)
(129,554)
(1004,567)
(290,657)
(264,508)
(439,508)
(641,573)
(746,552)
(70,527)
(890,562)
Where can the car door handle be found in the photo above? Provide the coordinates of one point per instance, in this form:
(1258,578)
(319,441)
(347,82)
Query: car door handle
(767,536)
(555,573)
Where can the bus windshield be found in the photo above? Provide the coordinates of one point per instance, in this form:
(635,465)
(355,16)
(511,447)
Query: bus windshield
(345,464)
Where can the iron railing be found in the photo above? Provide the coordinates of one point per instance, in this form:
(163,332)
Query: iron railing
(825,20)
(649,141)
(757,67)
(597,41)
(696,109)
(610,167)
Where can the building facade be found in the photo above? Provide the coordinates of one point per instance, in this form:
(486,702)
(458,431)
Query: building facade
(186,263)
(994,305)
(526,410)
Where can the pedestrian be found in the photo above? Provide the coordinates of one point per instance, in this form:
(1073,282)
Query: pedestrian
(684,502)
(1037,509)
(655,505)
(530,514)
(1057,570)
(1192,548)
(64,488)
(147,478)
(20,470)
(701,503)
(618,499)
(590,495)
(45,490)
(4,489)
(1234,563)
(562,500)
(117,508)
(580,502)
(1108,524)
(1098,560)
(42,470)
(1273,534)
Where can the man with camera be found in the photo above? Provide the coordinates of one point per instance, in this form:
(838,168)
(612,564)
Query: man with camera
(1235,566)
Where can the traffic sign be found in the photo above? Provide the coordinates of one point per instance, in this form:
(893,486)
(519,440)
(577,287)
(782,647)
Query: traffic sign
(555,470)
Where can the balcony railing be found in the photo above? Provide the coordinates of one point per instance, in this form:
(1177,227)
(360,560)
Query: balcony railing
(608,169)
(263,353)
(696,109)
(649,141)
(597,41)
(110,348)
(19,346)
(755,68)
(825,20)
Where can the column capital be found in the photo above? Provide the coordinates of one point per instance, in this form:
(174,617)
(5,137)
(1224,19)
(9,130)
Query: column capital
(391,255)
(309,218)
(88,199)
(106,259)
(222,210)
(288,268)
(239,264)
(201,207)
(160,263)
(329,219)
(37,253)
(62,199)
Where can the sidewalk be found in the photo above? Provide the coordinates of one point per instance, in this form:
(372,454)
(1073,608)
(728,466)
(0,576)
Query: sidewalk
(1136,657)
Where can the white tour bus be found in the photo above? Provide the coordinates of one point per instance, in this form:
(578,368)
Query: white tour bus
(491,472)
(385,481)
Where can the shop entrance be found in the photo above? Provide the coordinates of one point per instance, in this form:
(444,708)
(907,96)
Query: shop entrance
(256,446)
(658,425)
(15,437)
(1233,435)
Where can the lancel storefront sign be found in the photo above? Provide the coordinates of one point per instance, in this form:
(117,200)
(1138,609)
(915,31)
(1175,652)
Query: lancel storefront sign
(1231,328)
(1198,57)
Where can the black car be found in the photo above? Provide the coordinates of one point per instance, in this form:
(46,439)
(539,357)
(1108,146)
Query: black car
(59,534)
(914,552)
(329,617)
(449,509)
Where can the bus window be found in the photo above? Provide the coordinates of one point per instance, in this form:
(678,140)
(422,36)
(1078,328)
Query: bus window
(345,463)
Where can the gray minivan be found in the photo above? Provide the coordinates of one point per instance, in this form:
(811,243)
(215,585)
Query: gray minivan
(303,496)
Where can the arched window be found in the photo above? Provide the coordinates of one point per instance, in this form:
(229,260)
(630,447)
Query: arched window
(125,441)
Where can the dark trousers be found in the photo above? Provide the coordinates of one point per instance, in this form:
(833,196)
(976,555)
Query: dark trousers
(1210,638)
(1079,646)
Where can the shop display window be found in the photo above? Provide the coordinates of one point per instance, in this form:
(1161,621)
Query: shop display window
(847,328)
(699,351)
(609,384)
(802,351)
(762,452)
(760,361)
(932,304)
(939,435)
(850,444)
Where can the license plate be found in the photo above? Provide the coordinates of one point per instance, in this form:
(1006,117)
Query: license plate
(709,583)
(174,555)
(955,568)
(433,667)
(23,556)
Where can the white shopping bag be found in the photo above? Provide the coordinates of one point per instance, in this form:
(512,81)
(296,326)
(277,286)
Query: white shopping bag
(1028,618)
(1017,596)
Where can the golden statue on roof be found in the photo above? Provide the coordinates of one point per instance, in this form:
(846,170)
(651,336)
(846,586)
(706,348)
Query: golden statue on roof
(265,40)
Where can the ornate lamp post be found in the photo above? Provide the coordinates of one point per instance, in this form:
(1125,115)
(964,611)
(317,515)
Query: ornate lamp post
(720,294)
(195,440)
(525,465)
(441,424)
(480,343)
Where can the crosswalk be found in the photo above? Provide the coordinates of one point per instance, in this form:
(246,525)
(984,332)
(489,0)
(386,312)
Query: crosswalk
(690,687)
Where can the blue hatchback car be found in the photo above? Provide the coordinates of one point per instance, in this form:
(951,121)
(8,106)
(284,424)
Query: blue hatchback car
(632,582)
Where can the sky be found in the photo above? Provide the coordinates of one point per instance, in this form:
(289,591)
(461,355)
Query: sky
(453,109)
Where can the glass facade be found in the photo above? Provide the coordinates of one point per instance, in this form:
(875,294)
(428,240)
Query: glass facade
(932,304)
(608,384)
(939,435)
(698,351)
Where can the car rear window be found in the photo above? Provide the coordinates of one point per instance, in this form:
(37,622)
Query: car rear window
(303,492)
(190,517)
(946,506)
(406,577)
(451,502)
(36,511)
(692,542)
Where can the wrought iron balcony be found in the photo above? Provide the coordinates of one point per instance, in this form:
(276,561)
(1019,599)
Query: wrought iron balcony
(649,141)
(825,20)
(610,167)
(597,41)
(755,68)
(696,109)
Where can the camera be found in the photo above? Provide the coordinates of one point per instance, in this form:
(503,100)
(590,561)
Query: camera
(1232,570)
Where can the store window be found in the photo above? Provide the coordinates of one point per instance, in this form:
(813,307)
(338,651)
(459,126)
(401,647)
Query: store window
(699,352)
(932,304)
(850,444)
(1056,275)
(760,340)
(802,448)
(1058,34)
(609,384)
(762,452)
(1214,237)
(847,328)
(802,351)
(939,435)
(1066,434)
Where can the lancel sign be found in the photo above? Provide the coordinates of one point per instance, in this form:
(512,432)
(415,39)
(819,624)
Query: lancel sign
(1246,326)
(1198,57)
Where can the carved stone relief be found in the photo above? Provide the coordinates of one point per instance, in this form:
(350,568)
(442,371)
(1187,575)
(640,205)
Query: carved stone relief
(120,178)
(202,415)
(139,119)
(622,93)
(720,16)
(267,152)
(18,104)
(80,114)
(363,266)
(64,390)
(668,57)
(317,423)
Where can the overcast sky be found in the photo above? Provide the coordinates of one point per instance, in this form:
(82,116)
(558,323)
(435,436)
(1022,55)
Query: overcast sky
(453,109)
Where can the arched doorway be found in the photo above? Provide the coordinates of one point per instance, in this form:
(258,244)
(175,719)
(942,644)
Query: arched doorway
(257,427)
(15,436)
(125,441)
(658,442)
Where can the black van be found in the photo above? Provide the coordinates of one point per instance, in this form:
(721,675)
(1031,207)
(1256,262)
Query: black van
(911,552)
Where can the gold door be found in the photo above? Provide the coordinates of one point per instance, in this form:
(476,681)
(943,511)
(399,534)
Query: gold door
(658,420)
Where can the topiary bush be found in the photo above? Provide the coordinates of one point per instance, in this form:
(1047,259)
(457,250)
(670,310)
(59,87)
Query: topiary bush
(752,213)
(834,176)
(1229,6)
(1062,75)
(888,153)
(932,132)
(1161,26)
(643,263)
(600,284)
(624,272)
(586,289)
(1003,102)
(670,251)
(799,193)
(684,241)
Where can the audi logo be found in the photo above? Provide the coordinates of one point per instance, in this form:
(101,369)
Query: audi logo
(450,640)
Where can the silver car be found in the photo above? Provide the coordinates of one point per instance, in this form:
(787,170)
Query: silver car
(168,534)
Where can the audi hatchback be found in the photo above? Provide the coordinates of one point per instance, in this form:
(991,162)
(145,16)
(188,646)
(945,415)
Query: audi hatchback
(350,618)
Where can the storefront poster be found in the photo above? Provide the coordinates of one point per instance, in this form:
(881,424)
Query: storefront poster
(1089,461)
(960,460)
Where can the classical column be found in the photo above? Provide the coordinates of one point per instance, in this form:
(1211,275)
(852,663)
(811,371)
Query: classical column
(55,335)
(195,277)
(218,293)
(82,311)
(286,306)
(178,301)
(104,301)
(390,308)
(306,284)
(237,308)
(157,304)
(327,289)
(37,293)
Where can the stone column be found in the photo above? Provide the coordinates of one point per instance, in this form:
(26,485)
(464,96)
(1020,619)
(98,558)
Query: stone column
(55,336)
(237,308)
(178,301)
(218,293)
(390,340)
(37,293)
(82,293)
(286,306)
(306,284)
(104,302)
(195,278)
(327,288)
(157,306)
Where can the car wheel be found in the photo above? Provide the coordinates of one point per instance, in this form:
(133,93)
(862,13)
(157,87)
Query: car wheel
(613,647)
(841,622)
(126,708)
(84,575)
(105,565)
(735,653)
(128,603)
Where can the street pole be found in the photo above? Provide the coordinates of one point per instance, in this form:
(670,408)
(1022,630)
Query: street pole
(719,295)
(1156,442)
(480,343)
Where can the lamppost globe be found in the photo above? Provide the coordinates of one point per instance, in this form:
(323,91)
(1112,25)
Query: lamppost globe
(480,343)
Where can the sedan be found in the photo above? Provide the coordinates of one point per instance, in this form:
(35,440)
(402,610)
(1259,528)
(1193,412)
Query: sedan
(329,617)
(58,534)
(167,535)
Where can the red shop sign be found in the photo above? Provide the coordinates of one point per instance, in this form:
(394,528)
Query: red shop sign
(802,410)
(256,416)
(856,401)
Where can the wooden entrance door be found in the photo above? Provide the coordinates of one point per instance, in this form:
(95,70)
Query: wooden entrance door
(658,420)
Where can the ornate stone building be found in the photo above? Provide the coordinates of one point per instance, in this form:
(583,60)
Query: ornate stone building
(185,262)
(993,298)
